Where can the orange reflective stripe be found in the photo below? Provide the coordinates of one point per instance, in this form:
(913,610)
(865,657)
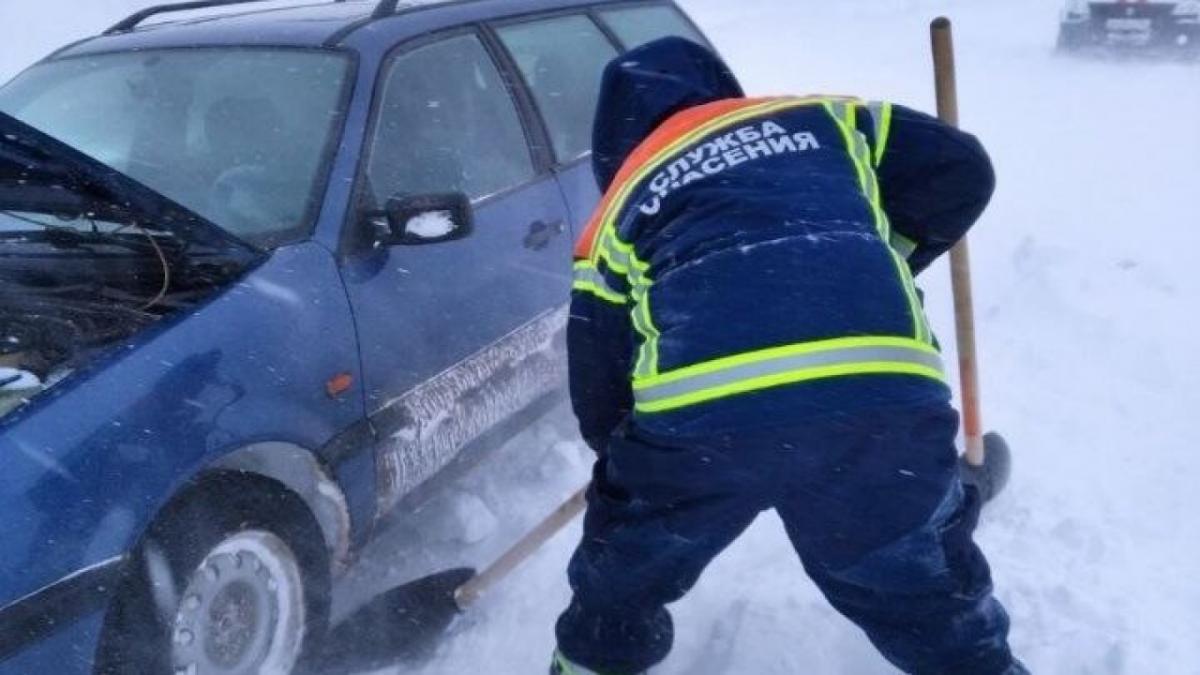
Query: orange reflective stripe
(673,132)
(676,126)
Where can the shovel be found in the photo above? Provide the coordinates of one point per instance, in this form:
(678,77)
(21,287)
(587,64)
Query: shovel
(405,623)
(987,463)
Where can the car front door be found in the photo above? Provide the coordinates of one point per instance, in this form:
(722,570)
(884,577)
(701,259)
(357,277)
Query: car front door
(455,336)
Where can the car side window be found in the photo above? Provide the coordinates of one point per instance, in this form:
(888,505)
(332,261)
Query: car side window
(635,26)
(562,60)
(447,123)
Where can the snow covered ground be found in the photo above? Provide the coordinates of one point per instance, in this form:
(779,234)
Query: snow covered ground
(1087,301)
(1087,305)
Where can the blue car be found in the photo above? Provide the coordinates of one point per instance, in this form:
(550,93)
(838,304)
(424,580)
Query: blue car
(267,275)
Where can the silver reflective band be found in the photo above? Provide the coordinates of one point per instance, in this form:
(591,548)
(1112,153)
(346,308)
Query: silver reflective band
(588,278)
(880,114)
(784,369)
(903,245)
(594,276)
(860,152)
(622,259)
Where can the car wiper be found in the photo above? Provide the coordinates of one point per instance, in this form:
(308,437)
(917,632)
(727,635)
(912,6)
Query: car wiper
(129,236)
(68,237)
(39,174)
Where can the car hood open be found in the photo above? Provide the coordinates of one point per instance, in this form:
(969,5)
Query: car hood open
(41,174)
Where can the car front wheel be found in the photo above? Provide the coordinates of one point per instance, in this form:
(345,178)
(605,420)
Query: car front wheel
(233,580)
(242,610)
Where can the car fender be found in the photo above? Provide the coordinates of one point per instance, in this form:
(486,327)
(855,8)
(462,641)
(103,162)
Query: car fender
(301,472)
(239,382)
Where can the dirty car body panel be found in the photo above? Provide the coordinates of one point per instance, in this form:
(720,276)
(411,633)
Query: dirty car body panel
(347,371)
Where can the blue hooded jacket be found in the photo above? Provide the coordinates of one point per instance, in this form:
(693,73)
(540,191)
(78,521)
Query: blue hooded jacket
(752,261)
(645,87)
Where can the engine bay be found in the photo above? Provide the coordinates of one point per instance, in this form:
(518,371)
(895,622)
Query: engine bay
(88,258)
(65,298)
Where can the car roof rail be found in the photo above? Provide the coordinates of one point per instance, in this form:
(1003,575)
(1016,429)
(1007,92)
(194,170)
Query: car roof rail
(387,8)
(133,20)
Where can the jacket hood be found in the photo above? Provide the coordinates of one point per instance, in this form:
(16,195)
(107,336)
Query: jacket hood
(644,87)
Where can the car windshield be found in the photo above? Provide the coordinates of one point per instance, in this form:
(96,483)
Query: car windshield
(240,136)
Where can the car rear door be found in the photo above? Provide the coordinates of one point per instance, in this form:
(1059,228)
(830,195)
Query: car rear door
(635,24)
(455,336)
(561,58)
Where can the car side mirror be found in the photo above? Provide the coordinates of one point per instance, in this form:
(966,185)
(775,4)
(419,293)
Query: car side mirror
(428,219)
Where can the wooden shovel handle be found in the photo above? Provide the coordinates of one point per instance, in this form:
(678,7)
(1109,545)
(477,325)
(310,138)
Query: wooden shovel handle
(946,83)
(468,593)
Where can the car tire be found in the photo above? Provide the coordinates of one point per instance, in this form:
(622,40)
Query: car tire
(232,580)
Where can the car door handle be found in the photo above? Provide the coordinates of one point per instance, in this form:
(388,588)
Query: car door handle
(541,233)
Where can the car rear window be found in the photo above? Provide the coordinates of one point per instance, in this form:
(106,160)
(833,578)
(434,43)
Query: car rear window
(562,60)
(635,26)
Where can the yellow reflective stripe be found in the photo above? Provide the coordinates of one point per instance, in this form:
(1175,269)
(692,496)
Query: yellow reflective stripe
(762,369)
(860,154)
(903,245)
(780,379)
(647,361)
(769,381)
(600,292)
(669,151)
(881,114)
(841,117)
(920,322)
(567,667)
(800,349)
(608,221)
(589,279)
(621,257)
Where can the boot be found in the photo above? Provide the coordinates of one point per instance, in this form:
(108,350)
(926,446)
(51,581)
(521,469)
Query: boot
(561,665)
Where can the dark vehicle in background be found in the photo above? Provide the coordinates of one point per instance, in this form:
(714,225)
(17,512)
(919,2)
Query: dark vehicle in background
(1131,26)
(265,274)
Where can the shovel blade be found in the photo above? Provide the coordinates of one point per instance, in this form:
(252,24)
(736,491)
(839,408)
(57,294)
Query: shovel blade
(402,625)
(992,476)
